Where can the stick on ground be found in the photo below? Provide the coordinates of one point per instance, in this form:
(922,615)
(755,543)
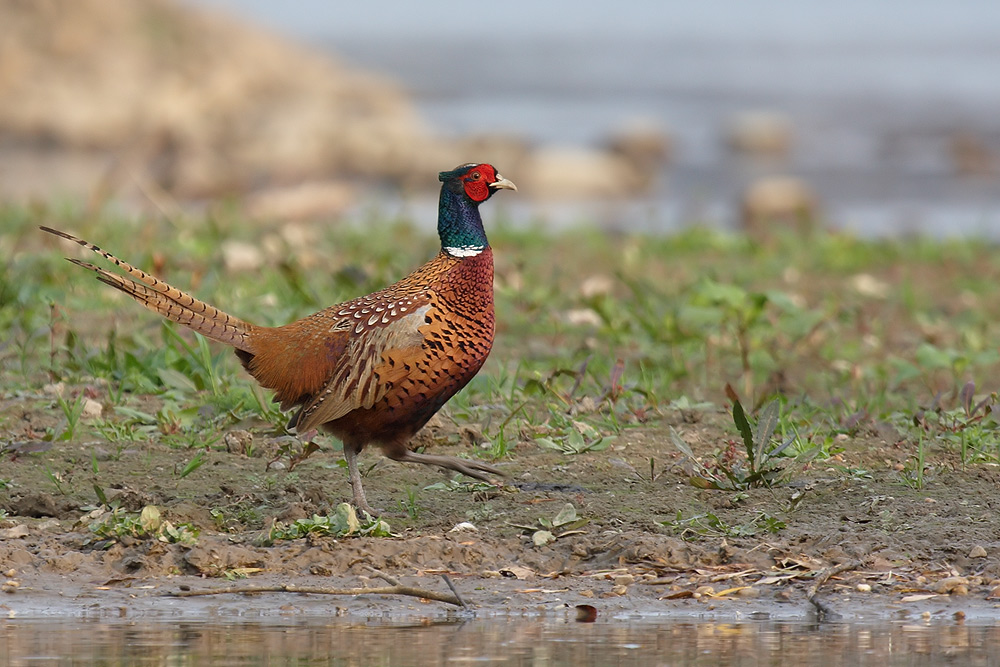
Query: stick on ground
(395,589)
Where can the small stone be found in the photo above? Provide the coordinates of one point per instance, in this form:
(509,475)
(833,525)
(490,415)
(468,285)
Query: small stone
(9,586)
(864,588)
(748,592)
(760,133)
(587,593)
(977,552)
(952,586)
(595,286)
(866,284)
(240,256)
(239,441)
(703,590)
(49,526)
(11,573)
(583,317)
(54,389)
(619,590)
(624,580)
(91,409)
(464,527)
(17,531)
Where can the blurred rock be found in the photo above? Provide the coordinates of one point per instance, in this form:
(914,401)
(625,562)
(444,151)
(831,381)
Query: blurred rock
(508,153)
(644,146)
(972,155)
(784,201)
(91,409)
(241,256)
(200,103)
(308,201)
(760,133)
(576,173)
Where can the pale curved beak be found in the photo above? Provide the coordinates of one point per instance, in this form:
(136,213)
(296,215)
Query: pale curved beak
(503,184)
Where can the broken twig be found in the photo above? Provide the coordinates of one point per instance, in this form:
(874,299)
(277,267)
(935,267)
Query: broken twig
(821,607)
(319,590)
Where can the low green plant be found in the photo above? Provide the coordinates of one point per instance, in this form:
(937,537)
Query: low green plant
(72,411)
(566,522)
(462,485)
(55,478)
(343,522)
(577,438)
(112,524)
(196,462)
(760,463)
(409,504)
(710,525)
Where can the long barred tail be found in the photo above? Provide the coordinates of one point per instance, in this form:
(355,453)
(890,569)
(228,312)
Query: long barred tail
(168,301)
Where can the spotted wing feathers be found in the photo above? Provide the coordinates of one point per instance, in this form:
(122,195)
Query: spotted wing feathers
(371,365)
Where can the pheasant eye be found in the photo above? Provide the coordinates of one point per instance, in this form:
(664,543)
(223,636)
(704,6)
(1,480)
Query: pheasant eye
(476,176)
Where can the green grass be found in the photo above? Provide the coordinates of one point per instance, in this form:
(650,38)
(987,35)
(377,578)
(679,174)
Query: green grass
(597,335)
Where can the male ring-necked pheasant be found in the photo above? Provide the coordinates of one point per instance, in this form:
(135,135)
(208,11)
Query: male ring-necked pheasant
(375,369)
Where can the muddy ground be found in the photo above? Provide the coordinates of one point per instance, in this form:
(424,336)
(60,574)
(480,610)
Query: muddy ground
(901,551)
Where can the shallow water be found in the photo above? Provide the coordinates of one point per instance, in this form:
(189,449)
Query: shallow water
(491,641)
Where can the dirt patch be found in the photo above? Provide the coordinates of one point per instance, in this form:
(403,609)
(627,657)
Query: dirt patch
(639,548)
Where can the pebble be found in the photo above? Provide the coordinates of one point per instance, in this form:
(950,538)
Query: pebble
(54,389)
(17,531)
(464,527)
(952,586)
(91,409)
(624,580)
(977,552)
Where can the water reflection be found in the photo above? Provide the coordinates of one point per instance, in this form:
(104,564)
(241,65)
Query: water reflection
(518,642)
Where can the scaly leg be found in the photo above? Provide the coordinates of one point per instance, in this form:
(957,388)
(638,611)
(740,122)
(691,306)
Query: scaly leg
(354,475)
(472,468)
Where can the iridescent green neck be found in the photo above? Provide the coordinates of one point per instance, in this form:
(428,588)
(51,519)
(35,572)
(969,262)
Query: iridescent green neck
(459,225)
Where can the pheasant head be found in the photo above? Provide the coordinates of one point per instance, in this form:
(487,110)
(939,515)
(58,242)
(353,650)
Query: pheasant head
(463,189)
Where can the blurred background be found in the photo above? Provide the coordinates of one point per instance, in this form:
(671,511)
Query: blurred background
(878,117)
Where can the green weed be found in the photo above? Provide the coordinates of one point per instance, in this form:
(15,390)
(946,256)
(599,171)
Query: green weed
(112,524)
(761,463)
(343,522)
(710,525)
(565,522)
(410,505)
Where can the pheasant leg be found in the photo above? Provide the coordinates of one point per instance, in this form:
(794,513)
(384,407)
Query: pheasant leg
(473,469)
(354,475)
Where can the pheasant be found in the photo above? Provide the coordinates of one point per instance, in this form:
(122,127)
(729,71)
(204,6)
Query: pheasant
(377,368)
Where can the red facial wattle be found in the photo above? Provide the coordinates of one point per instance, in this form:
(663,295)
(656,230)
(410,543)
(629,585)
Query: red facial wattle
(477,182)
